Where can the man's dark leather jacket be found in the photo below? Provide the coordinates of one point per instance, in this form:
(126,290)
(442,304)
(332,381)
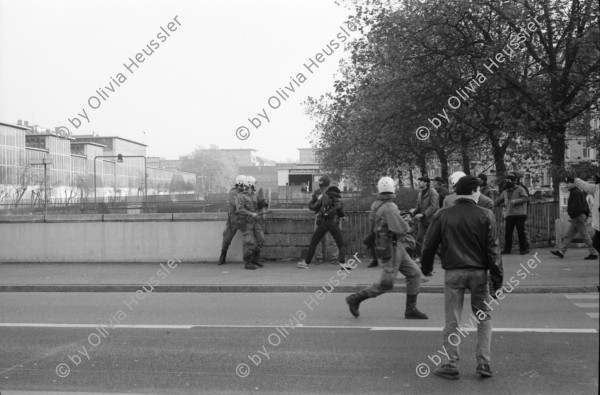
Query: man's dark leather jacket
(467,234)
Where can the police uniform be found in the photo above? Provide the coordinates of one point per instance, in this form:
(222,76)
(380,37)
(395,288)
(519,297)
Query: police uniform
(252,231)
(232,219)
(388,226)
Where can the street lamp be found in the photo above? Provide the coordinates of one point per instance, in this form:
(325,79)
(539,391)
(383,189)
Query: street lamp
(45,162)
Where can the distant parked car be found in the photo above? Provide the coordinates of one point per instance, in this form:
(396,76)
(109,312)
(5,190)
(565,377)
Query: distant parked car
(543,194)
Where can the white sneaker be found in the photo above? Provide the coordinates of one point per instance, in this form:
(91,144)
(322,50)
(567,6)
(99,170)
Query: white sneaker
(302,265)
(345,266)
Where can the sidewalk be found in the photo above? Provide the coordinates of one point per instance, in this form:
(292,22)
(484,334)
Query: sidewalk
(549,275)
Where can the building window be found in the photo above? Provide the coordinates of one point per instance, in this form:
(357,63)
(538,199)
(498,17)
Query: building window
(35,142)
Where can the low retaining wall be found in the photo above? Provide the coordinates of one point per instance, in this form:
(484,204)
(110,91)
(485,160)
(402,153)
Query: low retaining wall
(190,237)
(193,237)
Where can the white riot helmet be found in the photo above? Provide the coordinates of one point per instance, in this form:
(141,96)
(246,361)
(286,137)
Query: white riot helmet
(249,181)
(239,180)
(386,184)
(455,177)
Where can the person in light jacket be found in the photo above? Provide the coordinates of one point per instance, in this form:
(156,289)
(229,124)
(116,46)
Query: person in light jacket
(514,199)
(594,191)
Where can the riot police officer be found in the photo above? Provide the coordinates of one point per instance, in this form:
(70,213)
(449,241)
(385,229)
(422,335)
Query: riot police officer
(232,217)
(247,207)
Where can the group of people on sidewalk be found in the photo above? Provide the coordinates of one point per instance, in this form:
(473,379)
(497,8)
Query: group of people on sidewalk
(463,233)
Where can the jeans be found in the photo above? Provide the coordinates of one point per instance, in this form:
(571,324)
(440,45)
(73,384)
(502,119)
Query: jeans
(327,249)
(334,229)
(517,221)
(578,226)
(421,230)
(391,266)
(456,281)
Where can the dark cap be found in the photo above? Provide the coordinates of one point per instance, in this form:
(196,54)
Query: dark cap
(511,177)
(483,178)
(324,181)
(424,178)
(570,179)
(466,185)
(439,179)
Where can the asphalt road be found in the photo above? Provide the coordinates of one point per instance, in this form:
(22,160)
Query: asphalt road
(193,343)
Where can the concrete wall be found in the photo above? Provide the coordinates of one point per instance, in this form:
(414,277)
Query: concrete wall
(192,237)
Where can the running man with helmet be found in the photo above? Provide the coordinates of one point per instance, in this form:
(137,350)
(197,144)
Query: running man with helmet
(389,226)
(247,206)
(232,217)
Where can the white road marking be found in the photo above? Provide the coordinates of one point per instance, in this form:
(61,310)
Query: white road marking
(581,296)
(587,305)
(539,330)
(376,328)
(123,326)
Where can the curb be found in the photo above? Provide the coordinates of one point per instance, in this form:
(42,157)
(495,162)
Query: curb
(268,288)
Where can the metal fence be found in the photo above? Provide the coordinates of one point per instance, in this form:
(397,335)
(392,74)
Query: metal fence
(540,226)
(112,205)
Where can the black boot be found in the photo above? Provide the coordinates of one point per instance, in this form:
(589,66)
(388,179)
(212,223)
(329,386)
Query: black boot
(374,262)
(222,257)
(248,263)
(411,309)
(354,302)
(255,255)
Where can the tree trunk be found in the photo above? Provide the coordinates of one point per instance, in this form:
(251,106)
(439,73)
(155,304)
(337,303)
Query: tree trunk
(410,175)
(422,163)
(465,159)
(498,153)
(556,138)
(443,162)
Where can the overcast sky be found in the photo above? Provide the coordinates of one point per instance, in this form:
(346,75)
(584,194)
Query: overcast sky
(217,69)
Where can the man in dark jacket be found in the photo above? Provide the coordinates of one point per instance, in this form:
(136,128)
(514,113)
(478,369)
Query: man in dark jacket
(326,249)
(579,211)
(467,234)
(330,209)
(440,188)
(515,199)
(427,205)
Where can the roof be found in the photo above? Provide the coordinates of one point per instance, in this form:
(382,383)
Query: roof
(10,125)
(89,136)
(236,149)
(88,143)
